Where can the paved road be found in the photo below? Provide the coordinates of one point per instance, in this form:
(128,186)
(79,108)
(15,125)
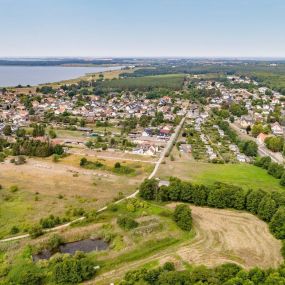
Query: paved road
(167,149)
(262,150)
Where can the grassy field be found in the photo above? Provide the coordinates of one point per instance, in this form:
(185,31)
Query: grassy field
(48,188)
(244,175)
(173,82)
(220,236)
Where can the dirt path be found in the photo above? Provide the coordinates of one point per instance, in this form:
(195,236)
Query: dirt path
(170,143)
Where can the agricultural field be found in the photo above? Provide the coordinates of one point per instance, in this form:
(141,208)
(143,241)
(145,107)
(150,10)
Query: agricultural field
(45,187)
(174,82)
(228,236)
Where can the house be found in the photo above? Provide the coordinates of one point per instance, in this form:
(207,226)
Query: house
(241,157)
(277,129)
(261,138)
(245,121)
(151,151)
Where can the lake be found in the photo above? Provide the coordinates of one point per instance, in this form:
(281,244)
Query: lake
(34,75)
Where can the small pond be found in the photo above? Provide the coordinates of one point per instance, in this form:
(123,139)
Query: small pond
(86,245)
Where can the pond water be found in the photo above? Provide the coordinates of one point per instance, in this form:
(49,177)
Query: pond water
(86,245)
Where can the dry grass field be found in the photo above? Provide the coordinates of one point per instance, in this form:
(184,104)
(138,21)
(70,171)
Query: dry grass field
(221,236)
(231,236)
(48,188)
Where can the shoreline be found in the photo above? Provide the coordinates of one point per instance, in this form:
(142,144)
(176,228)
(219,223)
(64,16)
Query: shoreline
(72,79)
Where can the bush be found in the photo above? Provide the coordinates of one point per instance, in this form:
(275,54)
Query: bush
(263,162)
(73,270)
(83,161)
(78,212)
(122,169)
(35,231)
(50,222)
(282,180)
(26,274)
(127,223)
(183,218)
(276,170)
(55,241)
(14,188)
(14,230)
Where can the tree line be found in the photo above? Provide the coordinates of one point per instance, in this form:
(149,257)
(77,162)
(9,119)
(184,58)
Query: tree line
(226,274)
(30,147)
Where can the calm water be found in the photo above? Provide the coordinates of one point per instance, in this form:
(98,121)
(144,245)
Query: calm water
(34,75)
(86,245)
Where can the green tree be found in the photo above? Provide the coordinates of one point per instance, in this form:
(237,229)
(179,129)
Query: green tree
(274,143)
(266,208)
(249,148)
(7,130)
(276,170)
(35,231)
(183,218)
(256,129)
(73,270)
(282,180)
(127,223)
(277,224)
(52,134)
(148,190)
(200,195)
(21,133)
(253,199)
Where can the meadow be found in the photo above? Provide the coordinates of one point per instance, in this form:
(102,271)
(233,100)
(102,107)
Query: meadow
(240,174)
(46,187)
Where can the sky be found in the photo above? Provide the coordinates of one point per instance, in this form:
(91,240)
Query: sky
(142,28)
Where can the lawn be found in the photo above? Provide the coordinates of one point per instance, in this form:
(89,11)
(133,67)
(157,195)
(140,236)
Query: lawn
(245,175)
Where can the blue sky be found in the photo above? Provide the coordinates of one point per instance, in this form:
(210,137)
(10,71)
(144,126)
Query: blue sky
(105,28)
